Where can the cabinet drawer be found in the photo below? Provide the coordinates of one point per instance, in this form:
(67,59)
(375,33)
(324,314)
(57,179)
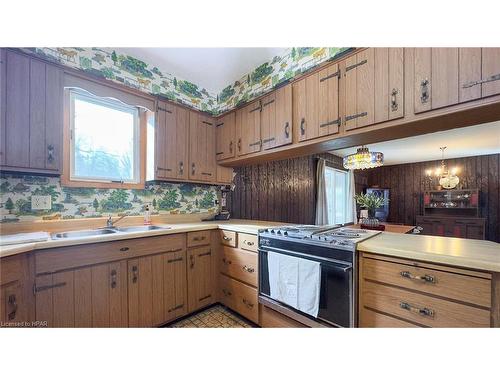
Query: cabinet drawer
(53,260)
(240,264)
(464,288)
(373,319)
(198,238)
(248,242)
(228,238)
(432,312)
(240,297)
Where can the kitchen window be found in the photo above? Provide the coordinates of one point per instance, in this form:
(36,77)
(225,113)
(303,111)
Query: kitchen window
(103,142)
(337,195)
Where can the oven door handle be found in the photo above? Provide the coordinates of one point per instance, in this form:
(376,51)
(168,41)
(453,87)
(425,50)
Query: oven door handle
(344,266)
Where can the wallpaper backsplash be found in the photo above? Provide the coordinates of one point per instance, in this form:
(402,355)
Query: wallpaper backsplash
(76,203)
(133,72)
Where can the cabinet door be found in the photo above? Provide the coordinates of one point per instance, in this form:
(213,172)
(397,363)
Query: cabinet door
(93,296)
(3,96)
(175,302)
(305,108)
(200,278)
(13,304)
(171,141)
(225,136)
(276,118)
(224,174)
(248,129)
(140,292)
(444,77)
(328,97)
(17,114)
(201,148)
(490,72)
(469,74)
(422,79)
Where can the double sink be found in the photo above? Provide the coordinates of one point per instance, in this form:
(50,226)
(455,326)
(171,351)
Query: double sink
(106,231)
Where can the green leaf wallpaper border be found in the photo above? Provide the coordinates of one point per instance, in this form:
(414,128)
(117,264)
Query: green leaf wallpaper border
(138,74)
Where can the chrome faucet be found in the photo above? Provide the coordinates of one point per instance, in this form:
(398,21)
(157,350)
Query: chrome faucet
(111,224)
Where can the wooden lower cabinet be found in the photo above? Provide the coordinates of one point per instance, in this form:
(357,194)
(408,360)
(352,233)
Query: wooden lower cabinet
(449,226)
(94,296)
(395,292)
(240,297)
(200,278)
(157,289)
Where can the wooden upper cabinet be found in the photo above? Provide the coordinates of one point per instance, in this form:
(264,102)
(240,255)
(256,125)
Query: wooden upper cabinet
(490,69)
(172,143)
(248,129)
(32,114)
(374,87)
(305,108)
(448,76)
(202,163)
(225,129)
(224,174)
(200,276)
(94,296)
(276,118)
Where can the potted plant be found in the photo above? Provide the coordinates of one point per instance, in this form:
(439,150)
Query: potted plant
(371,202)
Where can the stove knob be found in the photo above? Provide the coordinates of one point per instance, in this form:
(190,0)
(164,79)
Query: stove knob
(285,233)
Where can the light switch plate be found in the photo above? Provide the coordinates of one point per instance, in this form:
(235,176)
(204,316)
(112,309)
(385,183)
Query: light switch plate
(41,202)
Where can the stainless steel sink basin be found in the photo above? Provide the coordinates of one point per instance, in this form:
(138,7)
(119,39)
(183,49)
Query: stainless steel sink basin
(140,228)
(82,233)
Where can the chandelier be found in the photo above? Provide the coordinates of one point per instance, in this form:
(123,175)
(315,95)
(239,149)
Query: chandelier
(448,179)
(363,159)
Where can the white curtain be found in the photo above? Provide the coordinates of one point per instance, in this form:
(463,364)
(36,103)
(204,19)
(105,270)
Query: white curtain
(351,202)
(321,203)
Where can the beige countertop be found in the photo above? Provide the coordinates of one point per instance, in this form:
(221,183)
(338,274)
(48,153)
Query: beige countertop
(244,226)
(476,254)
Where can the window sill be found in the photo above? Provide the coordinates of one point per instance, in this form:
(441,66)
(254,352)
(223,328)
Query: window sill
(100,185)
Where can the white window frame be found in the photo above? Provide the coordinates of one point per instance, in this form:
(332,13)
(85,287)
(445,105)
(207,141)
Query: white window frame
(332,218)
(113,104)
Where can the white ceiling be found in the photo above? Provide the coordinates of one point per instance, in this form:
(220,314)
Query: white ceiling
(481,139)
(210,68)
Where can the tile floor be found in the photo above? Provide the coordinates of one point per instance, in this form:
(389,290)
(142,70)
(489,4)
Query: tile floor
(213,317)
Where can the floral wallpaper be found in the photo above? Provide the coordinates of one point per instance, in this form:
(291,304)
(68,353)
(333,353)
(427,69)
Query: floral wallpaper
(132,72)
(277,71)
(16,191)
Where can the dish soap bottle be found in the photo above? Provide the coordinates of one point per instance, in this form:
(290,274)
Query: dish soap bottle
(147,215)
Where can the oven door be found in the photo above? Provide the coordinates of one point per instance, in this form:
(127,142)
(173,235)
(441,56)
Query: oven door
(336,291)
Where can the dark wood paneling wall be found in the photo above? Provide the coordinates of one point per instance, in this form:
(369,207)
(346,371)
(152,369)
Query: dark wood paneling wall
(282,190)
(407,182)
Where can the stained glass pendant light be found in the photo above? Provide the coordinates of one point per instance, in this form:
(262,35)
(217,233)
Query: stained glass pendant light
(363,159)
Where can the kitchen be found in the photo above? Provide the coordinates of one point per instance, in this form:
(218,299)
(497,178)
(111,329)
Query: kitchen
(295,187)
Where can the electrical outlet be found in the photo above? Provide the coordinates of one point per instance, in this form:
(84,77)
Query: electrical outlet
(41,202)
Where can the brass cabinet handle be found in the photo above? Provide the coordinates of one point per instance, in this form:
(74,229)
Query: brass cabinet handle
(206,174)
(181,167)
(226,261)
(394,103)
(176,308)
(113,279)
(249,243)
(226,238)
(12,301)
(248,269)
(303,126)
(425,278)
(193,168)
(50,153)
(424,311)
(124,248)
(180,259)
(191,259)
(227,293)
(424,90)
(239,144)
(231,147)
(287,129)
(248,303)
(135,274)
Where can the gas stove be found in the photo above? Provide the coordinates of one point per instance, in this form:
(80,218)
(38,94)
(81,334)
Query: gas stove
(333,236)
